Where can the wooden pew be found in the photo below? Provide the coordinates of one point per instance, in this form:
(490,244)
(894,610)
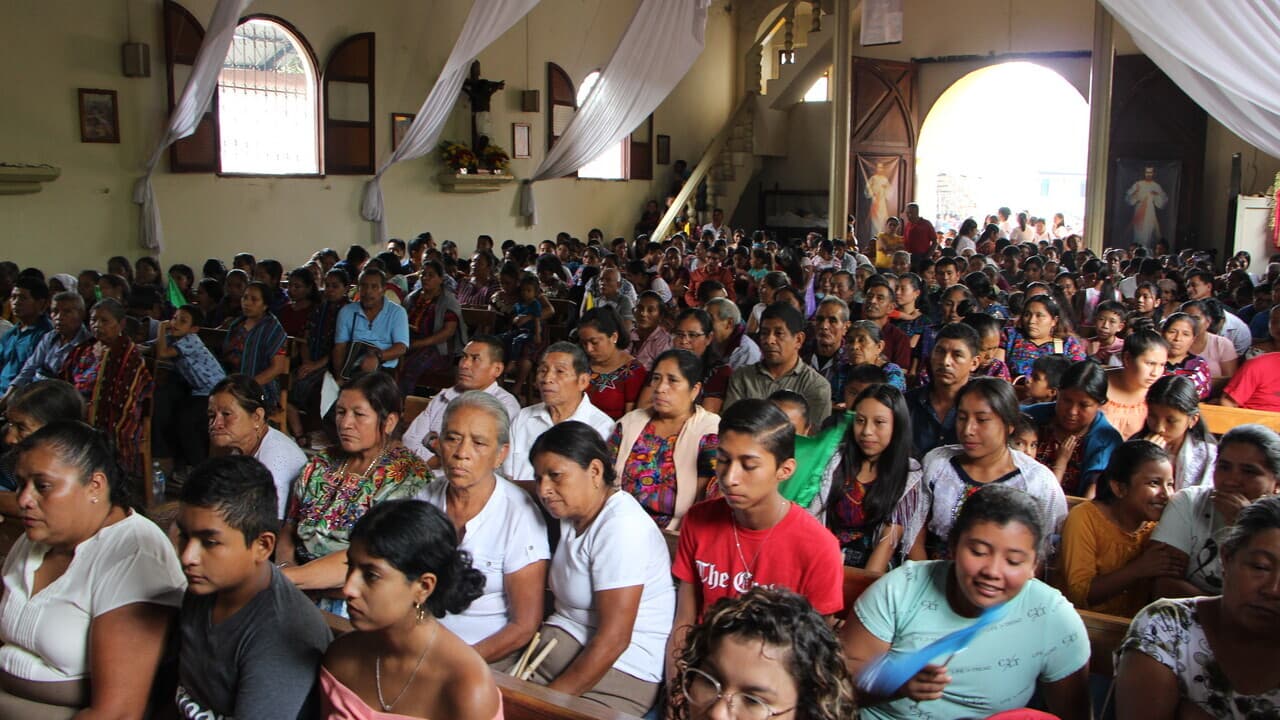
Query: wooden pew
(523,700)
(413,407)
(1105,634)
(1220,419)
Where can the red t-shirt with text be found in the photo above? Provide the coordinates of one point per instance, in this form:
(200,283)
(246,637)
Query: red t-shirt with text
(798,554)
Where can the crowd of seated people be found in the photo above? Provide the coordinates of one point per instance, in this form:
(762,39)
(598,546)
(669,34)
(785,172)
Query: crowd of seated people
(640,473)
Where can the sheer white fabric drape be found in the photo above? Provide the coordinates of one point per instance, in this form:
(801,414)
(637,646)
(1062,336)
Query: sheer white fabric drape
(190,108)
(487,21)
(657,50)
(1222,54)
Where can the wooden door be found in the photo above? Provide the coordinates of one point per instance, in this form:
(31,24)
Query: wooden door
(882,142)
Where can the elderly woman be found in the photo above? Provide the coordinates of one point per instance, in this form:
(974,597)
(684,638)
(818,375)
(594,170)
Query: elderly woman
(338,486)
(89,591)
(497,522)
(649,334)
(610,576)
(238,426)
(255,344)
(998,539)
(617,378)
(1216,656)
(111,375)
(866,347)
(666,453)
(1247,468)
(436,331)
(1075,439)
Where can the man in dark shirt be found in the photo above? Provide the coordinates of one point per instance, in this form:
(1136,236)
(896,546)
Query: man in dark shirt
(933,406)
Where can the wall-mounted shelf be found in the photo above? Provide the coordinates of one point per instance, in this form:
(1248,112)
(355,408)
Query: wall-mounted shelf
(23,179)
(469,183)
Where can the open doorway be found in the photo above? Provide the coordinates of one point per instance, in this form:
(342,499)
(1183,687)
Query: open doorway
(1010,135)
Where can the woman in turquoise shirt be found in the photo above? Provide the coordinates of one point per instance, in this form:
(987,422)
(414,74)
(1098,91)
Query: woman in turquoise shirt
(1040,643)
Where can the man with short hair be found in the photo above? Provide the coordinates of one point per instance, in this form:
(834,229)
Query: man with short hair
(479,368)
(29,300)
(1199,285)
(954,359)
(877,303)
(712,268)
(372,321)
(562,378)
(716,226)
(780,367)
(50,353)
(829,357)
(609,292)
(729,334)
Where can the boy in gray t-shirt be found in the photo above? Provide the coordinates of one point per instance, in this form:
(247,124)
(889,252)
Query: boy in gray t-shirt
(251,642)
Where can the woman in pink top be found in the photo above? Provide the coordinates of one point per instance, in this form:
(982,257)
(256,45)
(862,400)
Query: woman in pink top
(404,572)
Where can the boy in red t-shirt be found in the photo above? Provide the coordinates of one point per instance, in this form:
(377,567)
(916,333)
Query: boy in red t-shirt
(751,535)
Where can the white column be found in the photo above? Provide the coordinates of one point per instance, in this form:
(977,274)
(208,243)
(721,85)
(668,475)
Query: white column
(1095,194)
(840,91)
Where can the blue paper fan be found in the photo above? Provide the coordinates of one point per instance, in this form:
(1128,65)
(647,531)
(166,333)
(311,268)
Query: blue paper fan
(890,672)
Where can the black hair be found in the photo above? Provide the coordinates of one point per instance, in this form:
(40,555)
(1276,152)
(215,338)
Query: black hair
(962,332)
(197,316)
(239,488)
(416,538)
(37,288)
(980,285)
(1111,306)
(184,271)
(764,422)
(246,391)
(212,287)
(356,255)
(1141,341)
(1259,436)
(707,287)
(144,297)
(244,257)
(999,504)
(1062,326)
(494,346)
(688,364)
(274,270)
(304,276)
(89,450)
(214,269)
(605,320)
(866,373)
(381,392)
(47,401)
(1125,461)
(580,444)
(123,263)
(1088,377)
(783,619)
(1024,425)
(1254,519)
(1053,367)
(892,466)
(792,318)
(790,397)
(1179,393)
(339,273)
(998,393)
(984,324)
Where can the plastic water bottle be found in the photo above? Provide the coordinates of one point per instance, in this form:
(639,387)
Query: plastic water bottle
(157,481)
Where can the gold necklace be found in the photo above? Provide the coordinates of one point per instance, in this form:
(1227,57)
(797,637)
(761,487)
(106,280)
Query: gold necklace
(377,672)
(343,470)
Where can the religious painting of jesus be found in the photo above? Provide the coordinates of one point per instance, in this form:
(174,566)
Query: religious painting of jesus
(877,198)
(1144,206)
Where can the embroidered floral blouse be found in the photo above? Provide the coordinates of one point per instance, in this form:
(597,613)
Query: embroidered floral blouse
(1196,369)
(650,472)
(1021,352)
(612,391)
(328,499)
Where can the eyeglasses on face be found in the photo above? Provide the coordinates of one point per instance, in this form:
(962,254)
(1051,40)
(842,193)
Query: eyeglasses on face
(702,691)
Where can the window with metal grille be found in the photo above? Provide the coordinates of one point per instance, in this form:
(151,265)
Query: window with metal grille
(267,102)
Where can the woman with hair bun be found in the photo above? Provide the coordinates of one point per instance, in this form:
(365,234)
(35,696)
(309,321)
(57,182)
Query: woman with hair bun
(768,654)
(610,577)
(404,573)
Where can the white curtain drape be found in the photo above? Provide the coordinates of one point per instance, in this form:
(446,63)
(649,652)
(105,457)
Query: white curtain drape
(190,108)
(1222,54)
(487,21)
(657,50)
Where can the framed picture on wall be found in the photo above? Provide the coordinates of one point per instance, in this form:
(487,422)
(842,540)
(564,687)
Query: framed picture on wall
(664,150)
(520,134)
(1145,206)
(400,123)
(99,116)
(877,196)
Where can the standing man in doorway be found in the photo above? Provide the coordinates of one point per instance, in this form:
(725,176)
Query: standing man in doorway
(920,237)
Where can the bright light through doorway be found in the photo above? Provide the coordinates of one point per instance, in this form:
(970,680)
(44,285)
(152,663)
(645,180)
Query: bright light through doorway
(1015,135)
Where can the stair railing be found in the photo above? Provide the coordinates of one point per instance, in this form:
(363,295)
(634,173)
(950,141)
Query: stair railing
(701,170)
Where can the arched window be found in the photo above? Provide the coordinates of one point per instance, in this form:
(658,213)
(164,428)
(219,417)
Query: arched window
(612,163)
(267,108)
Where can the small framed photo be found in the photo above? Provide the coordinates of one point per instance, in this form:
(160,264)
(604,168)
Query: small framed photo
(520,140)
(400,123)
(664,150)
(99,116)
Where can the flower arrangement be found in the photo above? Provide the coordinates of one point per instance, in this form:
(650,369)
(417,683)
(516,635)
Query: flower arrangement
(495,158)
(457,156)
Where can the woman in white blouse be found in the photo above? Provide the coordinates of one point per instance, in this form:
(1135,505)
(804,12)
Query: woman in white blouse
(238,425)
(89,590)
(497,522)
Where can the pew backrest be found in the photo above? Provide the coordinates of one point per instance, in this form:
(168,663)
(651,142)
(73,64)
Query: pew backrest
(1105,635)
(1219,419)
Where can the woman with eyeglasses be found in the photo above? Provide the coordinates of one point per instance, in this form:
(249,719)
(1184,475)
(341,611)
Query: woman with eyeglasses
(693,333)
(761,655)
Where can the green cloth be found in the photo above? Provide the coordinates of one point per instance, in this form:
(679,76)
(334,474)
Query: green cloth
(176,298)
(812,456)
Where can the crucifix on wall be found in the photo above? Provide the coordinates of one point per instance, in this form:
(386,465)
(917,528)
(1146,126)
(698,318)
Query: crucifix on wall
(480,92)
